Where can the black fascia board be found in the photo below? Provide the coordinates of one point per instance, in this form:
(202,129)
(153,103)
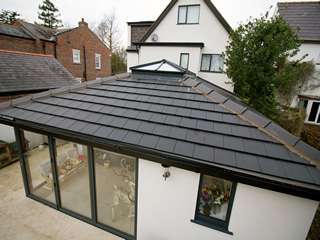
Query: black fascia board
(171,44)
(141,23)
(191,164)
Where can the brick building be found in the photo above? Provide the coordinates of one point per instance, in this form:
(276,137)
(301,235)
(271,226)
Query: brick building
(78,49)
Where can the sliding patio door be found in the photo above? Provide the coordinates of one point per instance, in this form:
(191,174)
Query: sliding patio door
(92,184)
(37,160)
(73,177)
(115,178)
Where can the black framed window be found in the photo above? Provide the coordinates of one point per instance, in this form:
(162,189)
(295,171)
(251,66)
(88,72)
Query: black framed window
(188,14)
(184,60)
(212,63)
(214,204)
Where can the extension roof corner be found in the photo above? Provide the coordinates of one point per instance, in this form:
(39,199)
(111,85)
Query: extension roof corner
(304,17)
(181,121)
(26,72)
(213,9)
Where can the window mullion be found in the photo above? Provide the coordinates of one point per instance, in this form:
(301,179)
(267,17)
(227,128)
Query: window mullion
(17,132)
(187,8)
(52,151)
(92,184)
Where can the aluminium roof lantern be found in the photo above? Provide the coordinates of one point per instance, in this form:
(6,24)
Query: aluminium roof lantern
(159,66)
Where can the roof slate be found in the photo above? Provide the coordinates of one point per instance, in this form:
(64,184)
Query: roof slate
(20,72)
(31,30)
(304,17)
(134,111)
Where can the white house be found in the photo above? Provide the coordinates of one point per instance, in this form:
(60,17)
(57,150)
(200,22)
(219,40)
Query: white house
(163,154)
(191,33)
(304,17)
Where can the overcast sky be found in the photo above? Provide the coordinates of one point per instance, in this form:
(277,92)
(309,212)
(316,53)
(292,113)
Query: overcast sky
(234,11)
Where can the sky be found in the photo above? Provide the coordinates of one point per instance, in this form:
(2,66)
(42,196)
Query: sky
(234,11)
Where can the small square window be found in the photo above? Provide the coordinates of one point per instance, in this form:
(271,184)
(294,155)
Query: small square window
(215,199)
(184,60)
(188,14)
(76,56)
(212,63)
(98,61)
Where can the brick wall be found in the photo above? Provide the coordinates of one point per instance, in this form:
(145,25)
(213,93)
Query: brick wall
(83,39)
(311,134)
(26,45)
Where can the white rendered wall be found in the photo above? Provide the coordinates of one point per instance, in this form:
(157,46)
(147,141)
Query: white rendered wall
(165,209)
(156,53)
(132,60)
(312,86)
(209,31)
(7,133)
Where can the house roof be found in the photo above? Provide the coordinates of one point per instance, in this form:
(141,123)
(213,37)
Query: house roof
(304,17)
(213,9)
(31,30)
(183,120)
(21,72)
(11,30)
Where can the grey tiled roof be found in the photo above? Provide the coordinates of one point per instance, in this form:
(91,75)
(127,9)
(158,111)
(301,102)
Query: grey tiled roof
(186,117)
(29,72)
(13,31)
(31,30)
(303,17)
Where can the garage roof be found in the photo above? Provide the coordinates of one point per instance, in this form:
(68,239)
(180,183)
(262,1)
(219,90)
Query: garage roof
(184,117)
(25,72)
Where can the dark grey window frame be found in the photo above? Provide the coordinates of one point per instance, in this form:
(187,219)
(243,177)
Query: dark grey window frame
(208,54)
(51,143)
(210,222)
(186,21)
(188,54)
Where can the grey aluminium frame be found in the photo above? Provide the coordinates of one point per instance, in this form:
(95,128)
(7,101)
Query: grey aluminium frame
(210,222)
(93,220)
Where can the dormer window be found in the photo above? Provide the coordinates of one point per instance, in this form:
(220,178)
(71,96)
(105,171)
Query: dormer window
(188,14)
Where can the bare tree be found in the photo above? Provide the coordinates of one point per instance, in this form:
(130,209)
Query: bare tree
(109,32)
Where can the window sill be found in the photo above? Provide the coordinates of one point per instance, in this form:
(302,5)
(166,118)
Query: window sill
(187,23)
(212,72)
(76,63)
(210,225)
(312,123)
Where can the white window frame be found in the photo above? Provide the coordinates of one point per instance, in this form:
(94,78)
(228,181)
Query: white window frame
(76,56)
(97,63)
(186,21)
(308,111)
(210,64)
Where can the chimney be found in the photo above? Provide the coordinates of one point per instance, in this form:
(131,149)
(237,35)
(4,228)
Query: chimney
(83,23)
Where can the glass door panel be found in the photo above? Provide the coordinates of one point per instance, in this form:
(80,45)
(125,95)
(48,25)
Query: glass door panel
(38,165)
(115,189)
(73,175)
